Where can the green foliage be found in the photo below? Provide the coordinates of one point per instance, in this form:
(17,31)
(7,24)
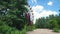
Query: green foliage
(12,19)
(24,30)
(48,22)
(30,28)
(5,29)
(41,23)
(55,29)
(53,23)
(13,15)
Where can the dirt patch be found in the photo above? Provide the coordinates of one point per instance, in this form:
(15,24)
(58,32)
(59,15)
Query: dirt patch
(42,31)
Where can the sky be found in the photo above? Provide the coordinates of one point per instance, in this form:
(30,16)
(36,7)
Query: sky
(43,8)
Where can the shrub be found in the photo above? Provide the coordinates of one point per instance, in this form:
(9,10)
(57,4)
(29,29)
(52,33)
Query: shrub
(24,30)
(30,28)
(56,29)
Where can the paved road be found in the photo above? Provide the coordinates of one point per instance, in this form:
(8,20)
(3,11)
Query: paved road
(42,31)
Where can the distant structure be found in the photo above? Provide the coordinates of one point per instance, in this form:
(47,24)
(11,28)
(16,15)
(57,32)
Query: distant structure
(29,16)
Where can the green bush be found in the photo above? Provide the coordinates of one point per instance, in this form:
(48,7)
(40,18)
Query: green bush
(53,23)
(55,29)
(24,30)
(30,28)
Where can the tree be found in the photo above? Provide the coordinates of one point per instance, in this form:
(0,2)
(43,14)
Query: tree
(41,23)
(13,16)
(48,22)
(53,23)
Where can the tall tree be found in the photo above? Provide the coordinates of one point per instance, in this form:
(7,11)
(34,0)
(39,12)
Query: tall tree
(13,12)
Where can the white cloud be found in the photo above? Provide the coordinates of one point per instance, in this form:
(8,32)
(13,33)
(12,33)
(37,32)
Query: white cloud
(45,13)
(40,12)
(50,3)
(34,1)
(37,8)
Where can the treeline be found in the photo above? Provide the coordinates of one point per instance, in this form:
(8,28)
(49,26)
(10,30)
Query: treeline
(51,22)
(12,19)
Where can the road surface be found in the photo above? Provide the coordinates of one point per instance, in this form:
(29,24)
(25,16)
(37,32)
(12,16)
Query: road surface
(42,31)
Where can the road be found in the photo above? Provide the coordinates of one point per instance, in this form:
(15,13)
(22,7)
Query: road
(42,31)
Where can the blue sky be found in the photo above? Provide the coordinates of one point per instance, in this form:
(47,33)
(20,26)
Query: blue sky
(43,8)
(55,6)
